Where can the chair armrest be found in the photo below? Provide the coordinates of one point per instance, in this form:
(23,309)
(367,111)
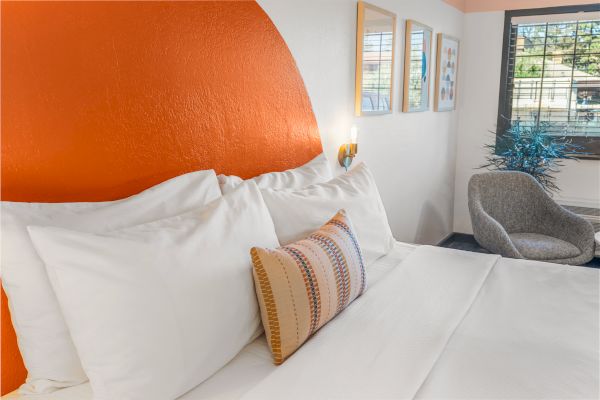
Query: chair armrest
(568,226)
(490,234)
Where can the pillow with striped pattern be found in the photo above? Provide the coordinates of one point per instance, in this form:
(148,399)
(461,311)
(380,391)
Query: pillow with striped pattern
(303,285)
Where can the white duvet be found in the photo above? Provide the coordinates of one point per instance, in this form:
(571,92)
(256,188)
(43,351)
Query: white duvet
(437,324)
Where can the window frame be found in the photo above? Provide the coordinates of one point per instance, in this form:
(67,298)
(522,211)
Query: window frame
(589,144)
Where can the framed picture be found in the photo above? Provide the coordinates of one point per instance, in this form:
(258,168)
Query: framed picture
(375,43)
(417,57)
(446,73)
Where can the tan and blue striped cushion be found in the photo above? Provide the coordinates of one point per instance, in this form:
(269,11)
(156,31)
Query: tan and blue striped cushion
(302,286)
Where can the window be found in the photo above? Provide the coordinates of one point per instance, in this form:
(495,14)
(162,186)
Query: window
(551,72)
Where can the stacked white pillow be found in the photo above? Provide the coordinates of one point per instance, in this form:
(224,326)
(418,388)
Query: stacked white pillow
(315,171)
(156,297)
(157,308)
(46,346)
(297,213)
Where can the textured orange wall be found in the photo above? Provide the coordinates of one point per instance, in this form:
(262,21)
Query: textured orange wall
(103,99)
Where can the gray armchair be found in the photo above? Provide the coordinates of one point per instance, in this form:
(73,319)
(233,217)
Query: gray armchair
(513,216)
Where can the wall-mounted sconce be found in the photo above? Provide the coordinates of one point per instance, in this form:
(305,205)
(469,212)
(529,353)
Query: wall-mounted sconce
(348,151)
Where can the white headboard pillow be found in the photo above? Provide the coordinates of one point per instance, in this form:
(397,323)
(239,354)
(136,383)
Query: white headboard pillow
(165,304)
(315,171)
(44,341)
(297,213)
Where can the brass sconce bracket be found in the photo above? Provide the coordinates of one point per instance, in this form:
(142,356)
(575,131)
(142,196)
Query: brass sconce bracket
(346,154)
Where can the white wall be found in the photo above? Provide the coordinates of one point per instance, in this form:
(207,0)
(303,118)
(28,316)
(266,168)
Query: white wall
(411,155)
(479,85)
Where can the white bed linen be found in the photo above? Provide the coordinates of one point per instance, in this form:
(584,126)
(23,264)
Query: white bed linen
(439,324)
(386,342)
(533,333)
(253,364)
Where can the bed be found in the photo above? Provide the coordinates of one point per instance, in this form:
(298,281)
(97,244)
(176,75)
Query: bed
(435,323)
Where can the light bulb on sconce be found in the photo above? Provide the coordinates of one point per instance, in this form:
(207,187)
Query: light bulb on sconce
(348,150)
(353,134)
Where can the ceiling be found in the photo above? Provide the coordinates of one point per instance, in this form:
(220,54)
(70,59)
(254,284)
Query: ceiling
(470,6)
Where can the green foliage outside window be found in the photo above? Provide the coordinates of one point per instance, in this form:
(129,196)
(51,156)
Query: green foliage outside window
(560,42)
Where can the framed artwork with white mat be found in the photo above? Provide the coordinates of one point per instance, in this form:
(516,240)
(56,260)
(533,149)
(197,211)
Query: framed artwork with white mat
(446,73)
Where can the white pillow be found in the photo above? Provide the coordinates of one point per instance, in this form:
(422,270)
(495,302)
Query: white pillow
(315,171)
(156,309)
(44,341)
(298,213)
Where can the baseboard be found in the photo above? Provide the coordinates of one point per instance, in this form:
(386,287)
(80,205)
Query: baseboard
(455,236)
(445,238)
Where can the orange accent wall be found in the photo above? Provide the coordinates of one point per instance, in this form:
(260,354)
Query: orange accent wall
(103,99)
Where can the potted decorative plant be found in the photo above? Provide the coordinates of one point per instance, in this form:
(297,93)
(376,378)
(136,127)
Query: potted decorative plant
(531,149)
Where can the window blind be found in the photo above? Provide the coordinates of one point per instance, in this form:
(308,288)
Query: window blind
(553,72)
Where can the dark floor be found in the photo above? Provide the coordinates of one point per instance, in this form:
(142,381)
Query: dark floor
(461,241)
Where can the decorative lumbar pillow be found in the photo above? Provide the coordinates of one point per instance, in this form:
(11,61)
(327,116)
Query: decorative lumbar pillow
(303,285)
(44,340)
(315,171)
(157,308)
(296,213)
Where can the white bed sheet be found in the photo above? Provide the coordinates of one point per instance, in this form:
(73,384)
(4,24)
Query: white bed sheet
(534,332)
(386,342)
(437,324)
(252,365)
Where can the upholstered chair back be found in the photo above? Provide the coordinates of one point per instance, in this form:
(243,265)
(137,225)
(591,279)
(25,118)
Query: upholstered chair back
(514,199)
